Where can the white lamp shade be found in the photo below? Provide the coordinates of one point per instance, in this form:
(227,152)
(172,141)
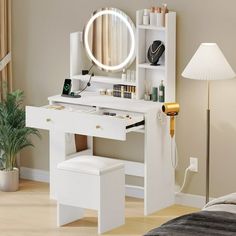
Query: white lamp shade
(208,63)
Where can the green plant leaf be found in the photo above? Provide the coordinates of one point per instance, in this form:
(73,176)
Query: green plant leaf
(14,136)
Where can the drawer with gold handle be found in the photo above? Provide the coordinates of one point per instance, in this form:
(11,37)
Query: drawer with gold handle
(69,121)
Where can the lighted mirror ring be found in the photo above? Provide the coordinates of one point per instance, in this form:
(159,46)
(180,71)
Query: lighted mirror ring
(131,55)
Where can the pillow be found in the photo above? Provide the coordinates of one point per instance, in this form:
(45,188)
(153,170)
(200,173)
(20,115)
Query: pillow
(227,199)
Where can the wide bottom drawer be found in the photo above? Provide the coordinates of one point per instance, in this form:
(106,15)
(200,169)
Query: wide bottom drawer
(84,120)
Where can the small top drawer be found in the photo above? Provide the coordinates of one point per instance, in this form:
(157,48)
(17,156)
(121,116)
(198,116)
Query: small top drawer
(83,121)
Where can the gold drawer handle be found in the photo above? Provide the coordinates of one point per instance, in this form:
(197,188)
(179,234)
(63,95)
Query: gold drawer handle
(48,120)
(98,127)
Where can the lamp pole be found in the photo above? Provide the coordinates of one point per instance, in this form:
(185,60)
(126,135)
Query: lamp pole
(208,143)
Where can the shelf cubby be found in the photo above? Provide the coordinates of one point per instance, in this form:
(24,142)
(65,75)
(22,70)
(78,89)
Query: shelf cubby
(146,34)
(151,27)
(149,66)
(103,80)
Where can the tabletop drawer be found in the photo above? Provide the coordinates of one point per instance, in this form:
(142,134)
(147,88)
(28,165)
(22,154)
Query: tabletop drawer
(82,122)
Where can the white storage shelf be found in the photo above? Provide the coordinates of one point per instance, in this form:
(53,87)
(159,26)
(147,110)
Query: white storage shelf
(151,27)
(145,73)
(103,79)
(149,66)
(152,75)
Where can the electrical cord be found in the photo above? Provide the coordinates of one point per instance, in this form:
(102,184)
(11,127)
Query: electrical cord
(184,182)
(174,154)
(174,151)
(87,85)
(174,162)
(90,67)
(84,72)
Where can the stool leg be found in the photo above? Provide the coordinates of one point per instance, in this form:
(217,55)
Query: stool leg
(111,212)
(67,214)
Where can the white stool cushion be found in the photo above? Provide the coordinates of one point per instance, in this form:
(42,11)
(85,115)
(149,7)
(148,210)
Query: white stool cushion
(93,165)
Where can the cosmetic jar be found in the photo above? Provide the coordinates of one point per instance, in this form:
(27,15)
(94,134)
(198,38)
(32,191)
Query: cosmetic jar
(102,91)
(109,92)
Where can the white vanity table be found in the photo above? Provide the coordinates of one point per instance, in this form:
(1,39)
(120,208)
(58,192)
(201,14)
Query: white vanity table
(81,116)
(65,116)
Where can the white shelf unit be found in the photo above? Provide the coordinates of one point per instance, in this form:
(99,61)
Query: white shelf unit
(146,34)
(151,27)
(148,66)
(103,80)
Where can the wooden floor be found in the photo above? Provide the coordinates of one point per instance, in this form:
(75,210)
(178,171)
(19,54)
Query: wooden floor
(30,212)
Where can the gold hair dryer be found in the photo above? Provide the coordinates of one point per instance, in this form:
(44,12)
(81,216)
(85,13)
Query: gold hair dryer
(171,109)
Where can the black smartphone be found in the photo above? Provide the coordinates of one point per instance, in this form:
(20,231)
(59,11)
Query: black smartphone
(66,87)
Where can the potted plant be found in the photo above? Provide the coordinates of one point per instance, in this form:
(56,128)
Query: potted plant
(14,136)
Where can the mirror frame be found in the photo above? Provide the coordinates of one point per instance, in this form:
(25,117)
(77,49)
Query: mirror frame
(131,27)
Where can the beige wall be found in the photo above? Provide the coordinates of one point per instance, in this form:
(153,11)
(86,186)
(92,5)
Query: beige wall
(41,62)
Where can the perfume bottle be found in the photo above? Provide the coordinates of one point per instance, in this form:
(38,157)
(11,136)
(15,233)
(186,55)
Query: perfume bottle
(153,17)
(154,94)
(146,19)
(164,11)
(162,92)
(133,93)
(123,75)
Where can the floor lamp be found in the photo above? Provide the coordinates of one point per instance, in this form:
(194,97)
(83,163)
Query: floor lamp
(208,63)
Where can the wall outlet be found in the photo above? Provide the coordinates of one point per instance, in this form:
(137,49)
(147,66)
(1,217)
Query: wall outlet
(194,164)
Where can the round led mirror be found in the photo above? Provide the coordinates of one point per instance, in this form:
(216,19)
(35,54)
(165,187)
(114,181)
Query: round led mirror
(109,39)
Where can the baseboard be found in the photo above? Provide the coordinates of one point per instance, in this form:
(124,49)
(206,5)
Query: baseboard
(34,174)
(190,200)
(130,190)
(134,191)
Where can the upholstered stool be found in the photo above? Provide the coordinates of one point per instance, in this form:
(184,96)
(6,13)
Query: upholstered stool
(91,182)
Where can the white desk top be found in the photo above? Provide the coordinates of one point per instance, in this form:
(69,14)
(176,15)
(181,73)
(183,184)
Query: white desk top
(93,99)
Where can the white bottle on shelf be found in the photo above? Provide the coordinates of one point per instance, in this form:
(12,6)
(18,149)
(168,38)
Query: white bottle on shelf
(160,19)
(153,19)
(123,76)
(146,19)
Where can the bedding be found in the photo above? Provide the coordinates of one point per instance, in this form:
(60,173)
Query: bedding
(218,217)
(226,203)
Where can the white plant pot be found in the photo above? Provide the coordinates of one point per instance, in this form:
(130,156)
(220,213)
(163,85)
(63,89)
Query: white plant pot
(9,180)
